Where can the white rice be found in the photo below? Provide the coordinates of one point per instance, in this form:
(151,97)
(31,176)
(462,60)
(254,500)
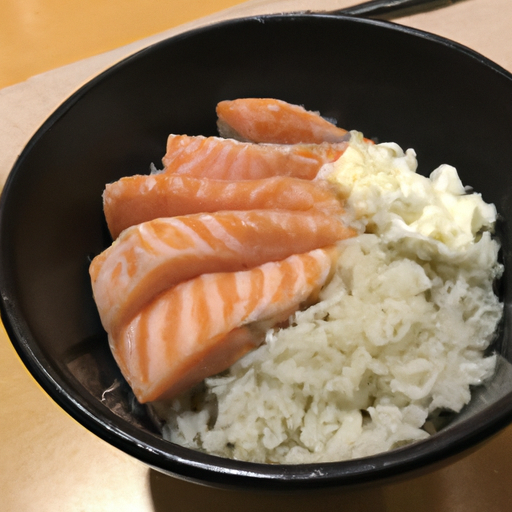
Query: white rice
(398,335)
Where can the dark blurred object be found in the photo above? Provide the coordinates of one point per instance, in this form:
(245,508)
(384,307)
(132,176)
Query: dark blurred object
(392,9)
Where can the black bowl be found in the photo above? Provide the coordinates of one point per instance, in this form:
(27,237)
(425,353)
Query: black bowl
(390,82)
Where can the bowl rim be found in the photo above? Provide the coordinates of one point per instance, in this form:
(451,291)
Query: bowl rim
(189,464)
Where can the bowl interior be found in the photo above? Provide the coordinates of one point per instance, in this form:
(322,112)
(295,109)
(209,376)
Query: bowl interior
(392,83)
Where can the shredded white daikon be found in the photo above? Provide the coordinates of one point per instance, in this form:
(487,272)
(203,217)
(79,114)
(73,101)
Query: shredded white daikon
(399,332)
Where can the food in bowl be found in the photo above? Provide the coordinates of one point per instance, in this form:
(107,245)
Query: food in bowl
(389,328)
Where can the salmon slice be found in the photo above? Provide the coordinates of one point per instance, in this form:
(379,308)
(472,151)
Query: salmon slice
(201,327)
(274,121)
(151,257)
(137,199)
(228,159)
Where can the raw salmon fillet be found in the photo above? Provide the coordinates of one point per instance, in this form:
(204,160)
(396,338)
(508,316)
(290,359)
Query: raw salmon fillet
(150,257)
(228,159)
(201,327)
(139,198)
(274,121)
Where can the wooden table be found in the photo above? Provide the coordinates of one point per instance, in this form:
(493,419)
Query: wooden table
(49,462)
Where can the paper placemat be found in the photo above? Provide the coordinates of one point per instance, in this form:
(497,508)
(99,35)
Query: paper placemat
(51,463)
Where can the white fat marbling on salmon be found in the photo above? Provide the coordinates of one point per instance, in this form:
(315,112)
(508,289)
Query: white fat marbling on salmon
(268,120)
(136,199)
(228,159)
(195,329)
(151,257)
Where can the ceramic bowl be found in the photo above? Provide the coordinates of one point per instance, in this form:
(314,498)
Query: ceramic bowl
(392,83)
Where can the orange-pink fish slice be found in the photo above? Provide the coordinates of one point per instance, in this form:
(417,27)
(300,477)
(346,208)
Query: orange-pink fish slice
(201,327)
(137,199)
(150,257)
(228,159)
(274,121)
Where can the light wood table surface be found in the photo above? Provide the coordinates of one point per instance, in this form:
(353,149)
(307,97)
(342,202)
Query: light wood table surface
(48,462)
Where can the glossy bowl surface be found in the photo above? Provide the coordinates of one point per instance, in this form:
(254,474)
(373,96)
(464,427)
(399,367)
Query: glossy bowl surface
(392,83)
